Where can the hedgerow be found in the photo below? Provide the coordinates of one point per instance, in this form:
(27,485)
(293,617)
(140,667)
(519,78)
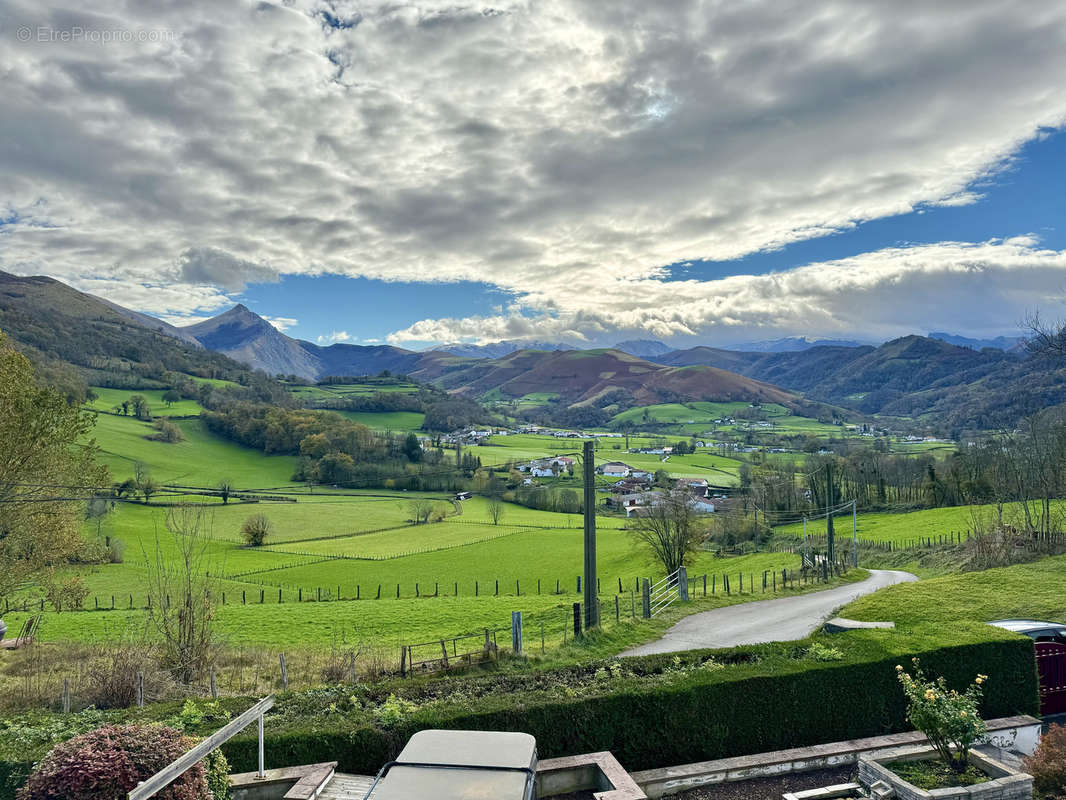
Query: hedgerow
(652,711)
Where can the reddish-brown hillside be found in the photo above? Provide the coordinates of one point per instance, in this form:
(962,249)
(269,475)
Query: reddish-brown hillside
(583,375)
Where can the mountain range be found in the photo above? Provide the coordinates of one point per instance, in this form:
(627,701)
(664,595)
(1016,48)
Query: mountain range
(914,376)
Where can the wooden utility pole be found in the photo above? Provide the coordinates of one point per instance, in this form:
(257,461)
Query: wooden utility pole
(589,471)
(830,548)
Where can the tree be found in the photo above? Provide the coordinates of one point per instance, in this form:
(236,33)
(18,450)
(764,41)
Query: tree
(225,489)
(141,409)
(420,510)
(171,396)
(148,487)
(670,529)
(496,509)
(41,469)
(255,529)
(168,432)
(182,593)
(412,448)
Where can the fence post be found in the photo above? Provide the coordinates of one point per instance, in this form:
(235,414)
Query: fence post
(577,620)
(284,672)
(140,689)
(444,653)
(682,583)
(214,685)
(632,605)
(66,695)
(516,632)
(646,596)
(617,611)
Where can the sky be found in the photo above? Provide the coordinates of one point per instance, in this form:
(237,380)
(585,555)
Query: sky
(694,172)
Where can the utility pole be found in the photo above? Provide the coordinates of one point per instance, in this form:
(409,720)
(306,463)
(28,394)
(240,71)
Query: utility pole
(831,547)
(854,534)
(458,454)
(756,538)
(589,470)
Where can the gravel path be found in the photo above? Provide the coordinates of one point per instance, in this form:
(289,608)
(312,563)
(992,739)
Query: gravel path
(779,620)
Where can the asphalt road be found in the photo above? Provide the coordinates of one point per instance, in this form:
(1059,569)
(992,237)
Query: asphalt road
(779,620)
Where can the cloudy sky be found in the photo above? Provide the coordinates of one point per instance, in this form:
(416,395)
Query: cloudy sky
(414,173)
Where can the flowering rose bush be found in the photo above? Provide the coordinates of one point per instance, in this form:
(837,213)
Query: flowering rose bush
(949,720)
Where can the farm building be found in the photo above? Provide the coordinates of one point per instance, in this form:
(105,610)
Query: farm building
(615,469)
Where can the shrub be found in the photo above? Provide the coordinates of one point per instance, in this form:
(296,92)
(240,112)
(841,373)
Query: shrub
(951,721)
(255,529)
(1048,764)
(106,763)
(216,770)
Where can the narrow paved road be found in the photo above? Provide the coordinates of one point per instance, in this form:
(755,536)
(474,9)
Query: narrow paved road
(780,620)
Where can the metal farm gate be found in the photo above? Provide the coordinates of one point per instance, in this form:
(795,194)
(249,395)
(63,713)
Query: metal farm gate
(1051,664)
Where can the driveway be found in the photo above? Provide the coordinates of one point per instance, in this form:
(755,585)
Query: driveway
(779,620)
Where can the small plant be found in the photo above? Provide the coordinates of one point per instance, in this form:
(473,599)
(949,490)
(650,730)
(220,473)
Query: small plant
(823,652)
(950,720)
(1048,764)
(104,764)
(256,529)
(393,711)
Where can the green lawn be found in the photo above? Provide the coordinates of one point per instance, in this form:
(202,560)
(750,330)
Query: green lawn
(109,399)
(1024,590)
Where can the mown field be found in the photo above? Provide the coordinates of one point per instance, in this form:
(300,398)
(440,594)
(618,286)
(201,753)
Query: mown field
(902,528)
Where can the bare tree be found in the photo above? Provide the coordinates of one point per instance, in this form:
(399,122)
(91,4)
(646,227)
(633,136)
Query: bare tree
(181,592)
(225,489)
(670,529)
(255,529)
(420,510)
(1045,339)
(495,509)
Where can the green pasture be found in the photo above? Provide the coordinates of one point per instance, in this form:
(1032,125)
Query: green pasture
(388,622)
(201,460)
(901,528)
(387,420)
(1032,591)
(109,399)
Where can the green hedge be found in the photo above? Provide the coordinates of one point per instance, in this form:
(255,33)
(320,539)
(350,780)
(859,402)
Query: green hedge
(767,697)
(708,715)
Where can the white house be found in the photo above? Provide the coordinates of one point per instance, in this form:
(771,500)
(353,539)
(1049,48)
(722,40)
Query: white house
(615,469)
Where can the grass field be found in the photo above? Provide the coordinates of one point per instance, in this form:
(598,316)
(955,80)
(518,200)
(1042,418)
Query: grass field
(201,460)
(109,399)
(901,528)
(1024,590)
(387,420)
(387,622)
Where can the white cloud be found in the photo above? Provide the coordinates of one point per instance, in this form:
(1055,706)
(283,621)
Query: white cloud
(556,150)
(333,337)
(983,288)
(282,323)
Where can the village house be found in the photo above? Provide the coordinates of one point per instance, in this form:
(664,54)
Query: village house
(614,469)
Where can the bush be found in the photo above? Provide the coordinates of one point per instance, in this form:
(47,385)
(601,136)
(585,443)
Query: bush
(950,720)
(1048,764)
(255,529)
(105,764)
(216,769)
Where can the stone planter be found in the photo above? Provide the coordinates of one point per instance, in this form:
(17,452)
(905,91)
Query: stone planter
(1004,784)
